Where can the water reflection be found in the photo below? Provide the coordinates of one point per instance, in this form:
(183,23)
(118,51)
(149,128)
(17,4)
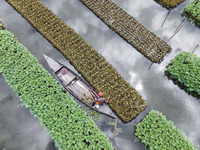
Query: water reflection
(20,130)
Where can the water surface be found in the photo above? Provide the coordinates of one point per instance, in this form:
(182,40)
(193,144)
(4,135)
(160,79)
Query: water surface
(19,130)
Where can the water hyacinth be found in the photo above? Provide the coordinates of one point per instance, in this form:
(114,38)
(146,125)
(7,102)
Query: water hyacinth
(169,4)
(57,112)
(191,12)
(184,70)
(136,34)
(157,133)
(83,57)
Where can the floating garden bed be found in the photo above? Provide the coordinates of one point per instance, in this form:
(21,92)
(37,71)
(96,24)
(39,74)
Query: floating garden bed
(169,4)
(136,34)
(184,70)
(58,113)
(192,13)
(157,133)
(124,99)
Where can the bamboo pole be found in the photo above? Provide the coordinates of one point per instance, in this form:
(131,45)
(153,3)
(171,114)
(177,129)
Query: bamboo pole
(195,48)
(166,18)
(138,106)
(179,25)
(150,66)
(155,117)
(174,34)
(191,53)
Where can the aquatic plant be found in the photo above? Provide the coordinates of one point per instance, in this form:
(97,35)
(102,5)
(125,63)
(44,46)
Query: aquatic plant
(124,99)
(117,130)
(136,34)
(192,13)
(185,69)
(157,133)
(169,4)
(58,113)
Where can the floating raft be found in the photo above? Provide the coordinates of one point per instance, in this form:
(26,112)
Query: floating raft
(136,34)
(184,70)
(158,133)
(124,99)
(169,4)
(191,12)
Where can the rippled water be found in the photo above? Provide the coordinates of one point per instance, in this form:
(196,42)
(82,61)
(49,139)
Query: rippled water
(19,130)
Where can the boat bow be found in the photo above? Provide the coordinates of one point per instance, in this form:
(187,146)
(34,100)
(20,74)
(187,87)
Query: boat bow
(54,65)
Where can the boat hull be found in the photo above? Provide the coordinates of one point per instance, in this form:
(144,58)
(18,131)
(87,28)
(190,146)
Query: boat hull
(77,86)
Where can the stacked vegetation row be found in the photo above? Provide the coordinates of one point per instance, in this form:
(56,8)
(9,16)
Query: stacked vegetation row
(68,125)
(184,70)
(145,41)
(157,133)
(124,99)
(192,13)
(169,4)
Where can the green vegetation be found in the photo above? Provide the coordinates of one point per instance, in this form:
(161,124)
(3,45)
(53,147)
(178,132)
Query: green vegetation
(192,12)
(124,99)
(157,133)
(185,69)
(117,130)
(169,4)
(145,41)
(58,113)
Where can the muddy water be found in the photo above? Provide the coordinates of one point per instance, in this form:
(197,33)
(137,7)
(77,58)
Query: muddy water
(20,130)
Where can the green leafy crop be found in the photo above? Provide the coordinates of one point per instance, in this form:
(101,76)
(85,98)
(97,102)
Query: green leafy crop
(58,113)
(192,12)
(124,99)
(145,41)
(157,133)
(169,4)
(185,69)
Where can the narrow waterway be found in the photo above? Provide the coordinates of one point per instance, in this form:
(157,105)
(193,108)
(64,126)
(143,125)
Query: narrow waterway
(19,130)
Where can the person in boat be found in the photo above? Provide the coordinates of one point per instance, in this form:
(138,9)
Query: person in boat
(97,98)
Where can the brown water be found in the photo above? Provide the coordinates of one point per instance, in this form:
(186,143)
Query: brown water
(19,130)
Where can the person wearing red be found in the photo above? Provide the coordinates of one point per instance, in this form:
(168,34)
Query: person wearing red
(98,98)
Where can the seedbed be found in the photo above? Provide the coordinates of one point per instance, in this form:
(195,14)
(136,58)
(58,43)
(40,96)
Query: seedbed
(169,4)
(157,133)
(183,70)
(126,26)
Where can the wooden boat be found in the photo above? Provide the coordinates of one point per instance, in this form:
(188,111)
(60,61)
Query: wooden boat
(76,86)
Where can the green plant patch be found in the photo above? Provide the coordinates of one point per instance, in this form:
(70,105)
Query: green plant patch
(169,4)
(157,133)
(184,70)
(192,12)
(58,113)
(136,34)
(124,99)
